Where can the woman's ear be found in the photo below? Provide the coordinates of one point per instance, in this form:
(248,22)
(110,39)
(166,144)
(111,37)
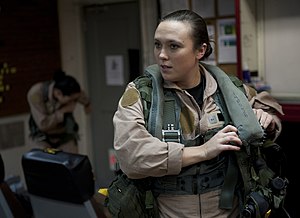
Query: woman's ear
(201,51)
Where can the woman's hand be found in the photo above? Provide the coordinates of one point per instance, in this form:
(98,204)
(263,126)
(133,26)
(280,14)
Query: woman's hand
(265,119)
(225,140)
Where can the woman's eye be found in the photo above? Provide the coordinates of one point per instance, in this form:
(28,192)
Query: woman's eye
(157,45)
(174,46)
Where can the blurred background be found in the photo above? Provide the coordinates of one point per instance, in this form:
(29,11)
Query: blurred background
(106,44)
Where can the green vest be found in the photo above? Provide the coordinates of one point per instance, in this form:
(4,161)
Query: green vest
(164,109)
(222,171)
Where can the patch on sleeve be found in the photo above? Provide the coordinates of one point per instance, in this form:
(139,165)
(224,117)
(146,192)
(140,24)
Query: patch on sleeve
(130,97)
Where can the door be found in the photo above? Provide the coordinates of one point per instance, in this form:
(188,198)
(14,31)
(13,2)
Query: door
(113,59)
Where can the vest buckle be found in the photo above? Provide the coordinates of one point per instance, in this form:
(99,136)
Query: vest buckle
(170,134)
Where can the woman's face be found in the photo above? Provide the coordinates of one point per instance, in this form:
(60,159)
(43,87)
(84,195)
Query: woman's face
(176,55)
(65,99)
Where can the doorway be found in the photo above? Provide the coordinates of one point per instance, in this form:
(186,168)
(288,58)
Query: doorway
(112,34)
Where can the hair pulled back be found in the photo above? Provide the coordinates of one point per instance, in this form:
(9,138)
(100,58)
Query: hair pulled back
(198,27)
(68,85)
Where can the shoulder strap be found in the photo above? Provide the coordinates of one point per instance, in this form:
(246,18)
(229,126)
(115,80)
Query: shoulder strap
(231,177)
(156,110)
(220,100)
(153,95)
(238,83)
(144,85)
(159,109)
(238,107)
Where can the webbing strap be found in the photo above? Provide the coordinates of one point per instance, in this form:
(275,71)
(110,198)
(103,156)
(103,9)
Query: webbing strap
(162,115)
(156,109)
(149,200)
(230,181)
(169,113)
(170,131)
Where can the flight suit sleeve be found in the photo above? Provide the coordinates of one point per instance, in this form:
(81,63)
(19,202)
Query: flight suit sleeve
(46,122)
(139,153)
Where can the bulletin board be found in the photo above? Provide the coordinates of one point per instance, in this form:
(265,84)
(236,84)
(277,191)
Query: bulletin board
(29,50)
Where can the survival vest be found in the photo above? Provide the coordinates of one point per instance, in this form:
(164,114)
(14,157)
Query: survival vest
(264,188)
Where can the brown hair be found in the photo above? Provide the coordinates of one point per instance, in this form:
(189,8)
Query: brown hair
(198,26)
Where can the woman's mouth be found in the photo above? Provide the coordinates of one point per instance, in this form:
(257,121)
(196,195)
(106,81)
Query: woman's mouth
(165,68)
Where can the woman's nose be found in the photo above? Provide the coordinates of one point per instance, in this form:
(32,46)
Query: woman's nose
(163,54)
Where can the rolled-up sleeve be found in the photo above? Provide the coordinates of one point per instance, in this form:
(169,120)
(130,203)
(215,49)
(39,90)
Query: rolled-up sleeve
(139,153)
(264,100)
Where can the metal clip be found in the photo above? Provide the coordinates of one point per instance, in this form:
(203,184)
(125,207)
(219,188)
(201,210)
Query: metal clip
(171,134)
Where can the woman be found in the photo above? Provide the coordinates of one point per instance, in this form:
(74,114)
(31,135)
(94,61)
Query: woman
(52,104)
(181,42)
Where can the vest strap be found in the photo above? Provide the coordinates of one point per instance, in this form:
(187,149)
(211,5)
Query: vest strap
(170,131)
(230,181)
(157,98)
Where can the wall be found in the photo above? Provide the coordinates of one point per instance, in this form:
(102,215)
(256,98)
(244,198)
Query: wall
(270,45)
(282,48)
(249,33)
(29,52)
(72,57)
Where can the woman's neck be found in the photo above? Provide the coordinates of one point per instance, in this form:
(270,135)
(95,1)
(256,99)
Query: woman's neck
(192,81)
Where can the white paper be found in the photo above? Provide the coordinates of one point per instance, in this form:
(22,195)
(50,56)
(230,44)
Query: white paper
(114,69)
(227,41)
(227,50)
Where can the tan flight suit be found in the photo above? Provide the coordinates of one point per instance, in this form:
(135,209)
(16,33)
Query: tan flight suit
(141,155)
(47,116)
